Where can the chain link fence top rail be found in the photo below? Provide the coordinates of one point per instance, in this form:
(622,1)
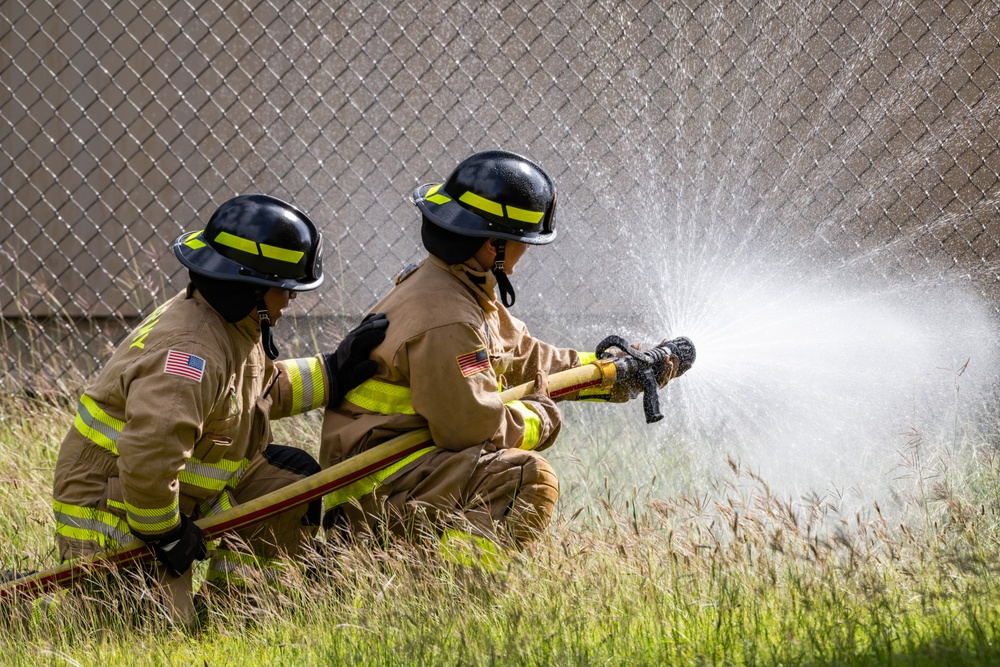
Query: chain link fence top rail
(859,135)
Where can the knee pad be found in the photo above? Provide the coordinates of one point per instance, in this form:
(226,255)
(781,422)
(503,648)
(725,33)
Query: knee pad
(292,459)
(535,498)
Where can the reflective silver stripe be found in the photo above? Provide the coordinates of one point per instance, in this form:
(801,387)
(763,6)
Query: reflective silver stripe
(146,523)
(110,432)
(219,503)
(306,377)
(208,470)
(213,476)
(96,425)
(93,525)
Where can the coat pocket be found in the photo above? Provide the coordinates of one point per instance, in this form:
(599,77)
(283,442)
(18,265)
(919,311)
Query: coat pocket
(260,426)
(212,448)
(114,499)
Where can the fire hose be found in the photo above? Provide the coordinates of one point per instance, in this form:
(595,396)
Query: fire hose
(603,373)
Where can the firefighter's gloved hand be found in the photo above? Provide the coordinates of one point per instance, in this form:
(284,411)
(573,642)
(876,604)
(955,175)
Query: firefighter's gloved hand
(682,349)
(541,386)
(350,365)
(180,547)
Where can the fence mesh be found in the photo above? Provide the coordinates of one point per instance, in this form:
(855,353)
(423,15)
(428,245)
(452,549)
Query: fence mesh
(829,134)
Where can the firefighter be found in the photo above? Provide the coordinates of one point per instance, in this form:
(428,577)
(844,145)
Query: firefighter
(176,426)
(452,348)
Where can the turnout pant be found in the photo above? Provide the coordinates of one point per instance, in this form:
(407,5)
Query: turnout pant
(250,554)
(509,499)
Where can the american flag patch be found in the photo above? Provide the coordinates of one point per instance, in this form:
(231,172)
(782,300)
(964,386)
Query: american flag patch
(184,364)
(473,362)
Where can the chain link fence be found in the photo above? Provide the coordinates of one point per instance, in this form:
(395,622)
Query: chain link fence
(858,135)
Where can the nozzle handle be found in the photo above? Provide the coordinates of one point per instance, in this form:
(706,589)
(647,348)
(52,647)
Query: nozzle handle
(650,399)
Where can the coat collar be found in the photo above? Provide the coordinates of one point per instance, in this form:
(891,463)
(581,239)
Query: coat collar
(481,283)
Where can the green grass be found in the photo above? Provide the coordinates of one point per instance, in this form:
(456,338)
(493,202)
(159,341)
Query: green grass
(732,575)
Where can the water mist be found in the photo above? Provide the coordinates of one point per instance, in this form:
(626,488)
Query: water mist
(825,378)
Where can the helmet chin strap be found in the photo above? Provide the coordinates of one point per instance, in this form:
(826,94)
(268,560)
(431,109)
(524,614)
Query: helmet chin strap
(266,334)
(507,295)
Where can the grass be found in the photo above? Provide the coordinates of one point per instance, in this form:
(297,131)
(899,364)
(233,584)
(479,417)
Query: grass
(723,572)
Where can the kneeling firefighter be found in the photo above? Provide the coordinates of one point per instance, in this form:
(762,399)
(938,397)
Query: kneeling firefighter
(453,347)
(176,426)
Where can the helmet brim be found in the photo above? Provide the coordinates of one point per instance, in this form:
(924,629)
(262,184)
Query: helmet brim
(203,259)
(445,212)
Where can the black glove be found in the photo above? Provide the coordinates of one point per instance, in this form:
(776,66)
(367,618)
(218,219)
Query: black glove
(180,547)
(683,349)
(350,365)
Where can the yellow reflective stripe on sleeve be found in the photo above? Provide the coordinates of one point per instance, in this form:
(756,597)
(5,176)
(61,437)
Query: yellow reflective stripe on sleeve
(586,357)
(90,524)
(524,215)
(382,397)
(482,203)
(153,520)
(281,254)
(213,476)
(365,485)
(432,195)
(236,242)
(532,424)
(97,425)
(306,376)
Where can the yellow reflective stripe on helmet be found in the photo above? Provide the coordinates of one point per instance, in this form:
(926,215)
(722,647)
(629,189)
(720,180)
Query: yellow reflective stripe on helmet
(252,247)
(432,195)
(237,242)
(586,357)
(97,425)
(482,203)
(153,520)
(362,487)
(524,215)
(495,208)
(532,424)
(306,376)
(91,524)
(281,254)
(192,241)
(382,397)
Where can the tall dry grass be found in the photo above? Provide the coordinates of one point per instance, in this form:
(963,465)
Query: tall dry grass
(727,572)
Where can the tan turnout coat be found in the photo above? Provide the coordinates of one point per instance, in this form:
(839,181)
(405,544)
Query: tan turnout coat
(171,423)
(449,348)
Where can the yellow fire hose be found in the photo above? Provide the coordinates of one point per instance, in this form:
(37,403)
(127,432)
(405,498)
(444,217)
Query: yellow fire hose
(601,373)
